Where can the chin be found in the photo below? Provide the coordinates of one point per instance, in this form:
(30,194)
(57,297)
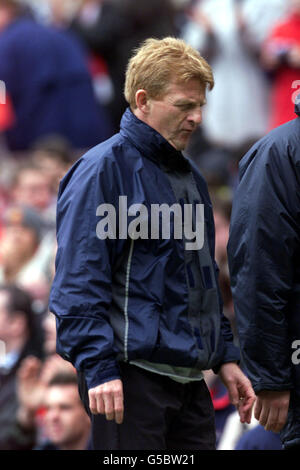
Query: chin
(180,148)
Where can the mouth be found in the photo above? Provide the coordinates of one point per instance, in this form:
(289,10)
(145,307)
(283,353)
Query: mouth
(188,131)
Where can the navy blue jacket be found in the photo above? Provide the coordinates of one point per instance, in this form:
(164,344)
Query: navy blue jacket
(109,289)
(46,75)
(264,261)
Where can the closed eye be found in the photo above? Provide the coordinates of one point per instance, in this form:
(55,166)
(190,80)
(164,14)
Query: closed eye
(188,106)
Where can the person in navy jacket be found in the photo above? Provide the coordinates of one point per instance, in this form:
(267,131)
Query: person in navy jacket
(48,83)
(264,255)
(136,295)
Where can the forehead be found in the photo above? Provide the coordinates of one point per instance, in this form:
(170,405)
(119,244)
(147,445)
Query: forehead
(29,175)
(191,90)
(63,395)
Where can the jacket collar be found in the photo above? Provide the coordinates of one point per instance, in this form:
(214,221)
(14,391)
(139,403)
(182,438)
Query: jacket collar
(152,144)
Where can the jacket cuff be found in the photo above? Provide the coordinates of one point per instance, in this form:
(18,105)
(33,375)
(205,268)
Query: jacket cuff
(231,354)
(95,376)
(259,387)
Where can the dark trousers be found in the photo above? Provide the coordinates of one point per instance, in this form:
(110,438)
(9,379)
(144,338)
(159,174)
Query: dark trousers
(160,414)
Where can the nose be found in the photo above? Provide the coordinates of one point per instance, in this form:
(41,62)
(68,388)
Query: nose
(52,415)
(196,116)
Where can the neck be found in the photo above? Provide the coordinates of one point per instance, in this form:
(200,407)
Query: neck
(139,115)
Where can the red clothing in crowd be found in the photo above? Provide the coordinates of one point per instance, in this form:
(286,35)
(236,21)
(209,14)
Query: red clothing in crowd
(284,36)
(7,116)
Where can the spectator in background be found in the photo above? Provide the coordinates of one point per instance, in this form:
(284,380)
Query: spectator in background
(88,13)
(7,117)
(22,259)
(32,187)
(53,155)
(67,425)
(48,82)
(281,56)
(33,379)
(220,30)
(112,30)
(35,184)
(22,337)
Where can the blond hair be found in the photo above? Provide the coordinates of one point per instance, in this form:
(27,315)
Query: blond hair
(157,62)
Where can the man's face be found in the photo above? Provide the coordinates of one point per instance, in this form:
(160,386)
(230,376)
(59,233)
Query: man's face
(17,244)
(66,420)
(33,189)
(178,113)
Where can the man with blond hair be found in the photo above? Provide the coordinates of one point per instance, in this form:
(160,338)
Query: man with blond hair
(135,294)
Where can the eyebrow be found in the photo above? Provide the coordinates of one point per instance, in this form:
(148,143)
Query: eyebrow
(183,102)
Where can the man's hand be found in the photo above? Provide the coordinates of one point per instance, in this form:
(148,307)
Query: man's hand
(271,409)
(108,399)
(240,390)
(29,390)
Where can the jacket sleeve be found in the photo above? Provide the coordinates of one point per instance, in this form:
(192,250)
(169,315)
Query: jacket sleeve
(81,291)
(264,237)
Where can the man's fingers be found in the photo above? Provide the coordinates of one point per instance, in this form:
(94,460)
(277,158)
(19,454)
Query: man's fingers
(30,367)
(93,402)
(274,408)
(245,401)
(257,409)
(108,399)
(264,414)
(109,406)
(233,393)
(282,417)
(96,403)
(245,410)
(119,408)
(247,398)
(272,421)
(278,420)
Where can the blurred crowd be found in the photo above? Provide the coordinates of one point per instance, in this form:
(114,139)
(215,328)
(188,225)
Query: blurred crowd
(62,66)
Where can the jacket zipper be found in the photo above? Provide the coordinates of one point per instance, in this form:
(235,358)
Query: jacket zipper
(128,268)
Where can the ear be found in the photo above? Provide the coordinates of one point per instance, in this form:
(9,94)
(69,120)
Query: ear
(141,100)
